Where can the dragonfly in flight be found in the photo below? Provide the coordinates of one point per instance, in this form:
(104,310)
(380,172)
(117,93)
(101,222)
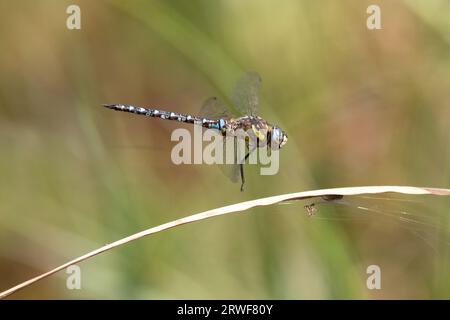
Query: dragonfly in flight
(214,115)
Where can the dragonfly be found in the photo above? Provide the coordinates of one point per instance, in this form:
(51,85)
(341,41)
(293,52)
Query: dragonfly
(215,115)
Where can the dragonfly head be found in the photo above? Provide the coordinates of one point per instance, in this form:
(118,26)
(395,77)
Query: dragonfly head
(278,138)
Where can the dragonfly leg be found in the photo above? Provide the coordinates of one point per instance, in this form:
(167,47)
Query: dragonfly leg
(241,167)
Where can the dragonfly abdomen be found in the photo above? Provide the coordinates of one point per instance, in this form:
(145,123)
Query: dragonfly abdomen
(166,115)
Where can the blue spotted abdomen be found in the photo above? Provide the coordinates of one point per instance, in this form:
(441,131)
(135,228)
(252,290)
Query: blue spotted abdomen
(155,113)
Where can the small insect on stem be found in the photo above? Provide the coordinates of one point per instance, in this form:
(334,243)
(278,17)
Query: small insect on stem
(311,208)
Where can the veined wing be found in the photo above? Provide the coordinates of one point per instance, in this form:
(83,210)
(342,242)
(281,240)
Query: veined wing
(245,98)
(214,109)
(245,94)
(230,169)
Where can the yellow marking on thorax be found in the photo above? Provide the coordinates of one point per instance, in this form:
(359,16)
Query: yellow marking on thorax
(258,133)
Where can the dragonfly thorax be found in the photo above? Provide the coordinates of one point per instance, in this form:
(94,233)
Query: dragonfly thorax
(252,127)
(249,125)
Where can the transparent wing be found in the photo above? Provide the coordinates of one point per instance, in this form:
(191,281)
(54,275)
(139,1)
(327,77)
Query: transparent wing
(214,109)
(231,171)
(232,157)
(245,98)
(245,94)
(231,167)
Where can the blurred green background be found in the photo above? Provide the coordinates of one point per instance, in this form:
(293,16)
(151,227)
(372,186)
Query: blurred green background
(360,107)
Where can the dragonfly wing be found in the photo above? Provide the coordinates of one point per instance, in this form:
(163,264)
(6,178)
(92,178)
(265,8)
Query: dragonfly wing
(232,171)
(231,168)
(245,94)
(214,109)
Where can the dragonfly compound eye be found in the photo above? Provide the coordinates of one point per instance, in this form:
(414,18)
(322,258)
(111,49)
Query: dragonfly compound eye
(277,139)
